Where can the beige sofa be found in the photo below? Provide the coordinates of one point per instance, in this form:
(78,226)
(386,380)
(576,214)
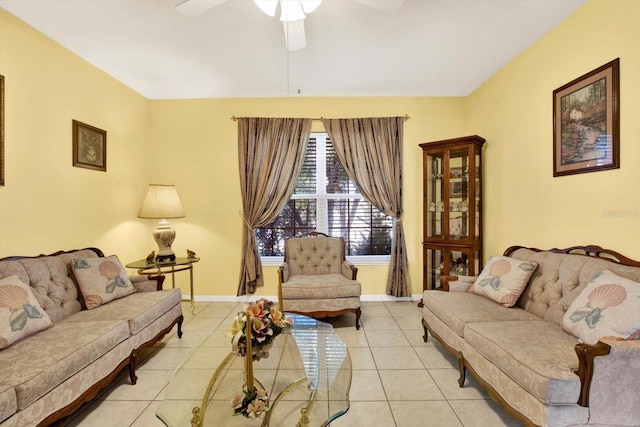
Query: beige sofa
(541,374)
(49,374)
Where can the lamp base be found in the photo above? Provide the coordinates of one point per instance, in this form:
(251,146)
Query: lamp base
(164,236)
(165,258)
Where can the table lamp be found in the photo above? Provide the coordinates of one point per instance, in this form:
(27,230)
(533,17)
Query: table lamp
(162,202)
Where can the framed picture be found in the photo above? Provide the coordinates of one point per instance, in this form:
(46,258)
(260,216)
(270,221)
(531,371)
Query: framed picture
(586,122)
(456,189)
(89,147)
(1,130)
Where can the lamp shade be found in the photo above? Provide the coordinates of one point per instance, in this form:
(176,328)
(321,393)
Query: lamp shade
(161,202)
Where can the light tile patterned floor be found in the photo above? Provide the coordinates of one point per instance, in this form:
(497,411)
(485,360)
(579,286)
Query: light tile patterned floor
(398,380)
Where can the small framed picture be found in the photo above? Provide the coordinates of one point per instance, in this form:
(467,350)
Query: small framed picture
(89,147)
(586,122)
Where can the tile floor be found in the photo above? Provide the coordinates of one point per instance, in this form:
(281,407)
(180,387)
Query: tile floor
(398,380)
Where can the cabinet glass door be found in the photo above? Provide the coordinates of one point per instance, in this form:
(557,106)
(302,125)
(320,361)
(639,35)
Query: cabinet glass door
(449,262)
(435,194)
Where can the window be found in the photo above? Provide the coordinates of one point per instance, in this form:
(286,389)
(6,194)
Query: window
(326,200)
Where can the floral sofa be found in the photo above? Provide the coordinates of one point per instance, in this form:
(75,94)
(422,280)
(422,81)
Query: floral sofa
(561,347)
(69,323)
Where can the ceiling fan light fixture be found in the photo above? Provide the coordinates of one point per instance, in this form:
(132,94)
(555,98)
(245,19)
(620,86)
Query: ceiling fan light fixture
(294,35)
(267,6)
(291,10)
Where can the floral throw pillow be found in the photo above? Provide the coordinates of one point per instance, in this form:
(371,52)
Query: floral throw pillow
(608,307)
(503,279)
(20,313)
(101,280)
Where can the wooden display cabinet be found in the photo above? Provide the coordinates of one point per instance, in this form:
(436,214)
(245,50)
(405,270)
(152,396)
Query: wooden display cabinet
(452,208)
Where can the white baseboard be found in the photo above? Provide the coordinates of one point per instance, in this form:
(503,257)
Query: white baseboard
(251,298)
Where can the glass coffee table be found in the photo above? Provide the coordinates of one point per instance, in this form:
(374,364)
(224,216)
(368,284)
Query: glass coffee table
(307,377)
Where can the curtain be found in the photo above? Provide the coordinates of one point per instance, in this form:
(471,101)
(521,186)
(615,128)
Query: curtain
(370,149)
(270,156)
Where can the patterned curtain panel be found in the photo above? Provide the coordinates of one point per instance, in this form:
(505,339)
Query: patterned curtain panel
(270,156)
(370,150)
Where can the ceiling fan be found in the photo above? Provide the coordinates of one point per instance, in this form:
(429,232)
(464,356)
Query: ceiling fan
(292,13)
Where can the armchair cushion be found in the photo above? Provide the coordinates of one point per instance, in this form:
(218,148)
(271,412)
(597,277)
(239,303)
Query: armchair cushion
(320,286)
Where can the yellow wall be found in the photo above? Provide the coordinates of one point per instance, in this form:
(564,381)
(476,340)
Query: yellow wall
(197,143)
(525,204)
(48,205)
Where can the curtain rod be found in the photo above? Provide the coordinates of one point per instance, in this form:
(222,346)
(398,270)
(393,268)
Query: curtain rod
(235,118)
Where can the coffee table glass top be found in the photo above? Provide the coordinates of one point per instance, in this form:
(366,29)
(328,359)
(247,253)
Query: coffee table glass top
(308,368)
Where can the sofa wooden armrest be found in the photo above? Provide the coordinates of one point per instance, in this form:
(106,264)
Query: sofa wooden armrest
(147,283)
(349,270)
(586,355)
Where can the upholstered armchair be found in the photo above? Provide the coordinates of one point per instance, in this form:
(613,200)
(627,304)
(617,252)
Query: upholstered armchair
(316,279)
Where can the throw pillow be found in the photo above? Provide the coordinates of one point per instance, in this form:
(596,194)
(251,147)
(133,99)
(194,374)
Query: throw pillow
(503,279)
(608,307)
(20,313)
(101,280)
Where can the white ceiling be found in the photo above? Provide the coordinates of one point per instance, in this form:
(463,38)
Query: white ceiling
(427,48)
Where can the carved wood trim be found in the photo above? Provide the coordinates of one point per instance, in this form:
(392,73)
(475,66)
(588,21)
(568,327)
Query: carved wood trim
(593,251)
(586,355)
(18,257)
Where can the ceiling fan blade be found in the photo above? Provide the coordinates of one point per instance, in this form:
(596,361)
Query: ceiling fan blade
(310,5)
(267,6)
(388,6)
(294,34)
(195,7)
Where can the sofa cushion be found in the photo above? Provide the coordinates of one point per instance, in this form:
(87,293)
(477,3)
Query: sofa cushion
(456,309)
(139,309)
(8,402)
(20,313)
(37,365)
(539,356)
(608,307)
(503,279)
(320,286)
(101,280)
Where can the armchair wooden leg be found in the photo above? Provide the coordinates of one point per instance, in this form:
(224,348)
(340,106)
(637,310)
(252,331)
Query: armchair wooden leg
(358,313)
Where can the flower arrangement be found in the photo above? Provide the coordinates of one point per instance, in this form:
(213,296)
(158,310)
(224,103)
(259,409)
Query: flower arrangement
(252,332)
(250,404)
(267,322)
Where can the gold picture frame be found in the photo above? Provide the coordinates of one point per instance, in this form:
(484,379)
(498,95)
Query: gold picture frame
(586,122)
(89,147)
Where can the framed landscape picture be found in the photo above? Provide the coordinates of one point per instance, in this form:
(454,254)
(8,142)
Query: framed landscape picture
(89,147)
(586,122)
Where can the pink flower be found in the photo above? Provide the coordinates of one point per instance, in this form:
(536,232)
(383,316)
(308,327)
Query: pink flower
(256,309)
(256,408)
(260,329)
(236,402)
